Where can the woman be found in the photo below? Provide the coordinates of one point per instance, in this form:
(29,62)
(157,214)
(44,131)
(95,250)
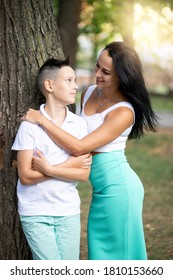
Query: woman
(117,108)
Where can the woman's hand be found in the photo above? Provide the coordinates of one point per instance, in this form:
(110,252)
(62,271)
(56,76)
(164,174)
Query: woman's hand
(40,163)
(83,161)
(33,116)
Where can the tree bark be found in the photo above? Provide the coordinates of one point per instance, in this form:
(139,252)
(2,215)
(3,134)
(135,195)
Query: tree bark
(68,19)
(28,36)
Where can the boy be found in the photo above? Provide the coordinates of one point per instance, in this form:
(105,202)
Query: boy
(48,201)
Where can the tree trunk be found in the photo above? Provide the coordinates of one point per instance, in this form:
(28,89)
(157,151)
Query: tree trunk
(68,19)
(127,28)
(28,36)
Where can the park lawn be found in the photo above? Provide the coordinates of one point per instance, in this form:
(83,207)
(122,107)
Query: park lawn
(152,158)
(162,103)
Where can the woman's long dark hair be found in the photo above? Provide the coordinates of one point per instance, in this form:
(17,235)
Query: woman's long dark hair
(128,68)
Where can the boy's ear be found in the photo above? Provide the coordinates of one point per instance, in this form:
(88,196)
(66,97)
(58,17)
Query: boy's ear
(48,85)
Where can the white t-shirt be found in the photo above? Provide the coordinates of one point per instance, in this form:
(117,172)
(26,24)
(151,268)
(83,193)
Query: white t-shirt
(95,120)
(53,197)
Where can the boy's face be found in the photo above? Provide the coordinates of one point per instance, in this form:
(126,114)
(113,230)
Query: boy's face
(64,86)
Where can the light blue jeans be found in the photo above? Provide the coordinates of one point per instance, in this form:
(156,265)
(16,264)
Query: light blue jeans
(52,237)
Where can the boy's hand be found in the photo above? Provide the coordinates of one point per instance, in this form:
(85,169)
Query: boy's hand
(40,163)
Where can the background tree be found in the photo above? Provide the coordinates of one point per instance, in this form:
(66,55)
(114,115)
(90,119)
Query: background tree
(146,25)
(99,20)
(68,17)
(28,36)
(98,23)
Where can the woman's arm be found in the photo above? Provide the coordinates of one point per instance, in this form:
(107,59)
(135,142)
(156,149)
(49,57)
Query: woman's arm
(116,121)
(73,169)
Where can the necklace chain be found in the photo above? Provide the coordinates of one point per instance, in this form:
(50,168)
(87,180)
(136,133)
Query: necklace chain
(102,102)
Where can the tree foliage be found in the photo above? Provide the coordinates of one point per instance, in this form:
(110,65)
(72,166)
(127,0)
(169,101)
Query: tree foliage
(101,22)
(107,20)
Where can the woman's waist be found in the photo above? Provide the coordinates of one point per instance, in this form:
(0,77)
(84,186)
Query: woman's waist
(110,147)
(96,153)
(107,164)
(106,153)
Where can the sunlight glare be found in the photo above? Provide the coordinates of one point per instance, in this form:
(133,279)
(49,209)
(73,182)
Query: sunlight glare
(152,35)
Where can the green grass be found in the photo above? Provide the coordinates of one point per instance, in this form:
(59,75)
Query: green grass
(162,104)
(152,159)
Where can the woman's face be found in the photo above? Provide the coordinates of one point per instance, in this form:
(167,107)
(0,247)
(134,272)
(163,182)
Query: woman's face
(105,74)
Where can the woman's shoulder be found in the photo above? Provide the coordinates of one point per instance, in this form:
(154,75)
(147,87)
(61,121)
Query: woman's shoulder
(119,105)
(124,104)
(86,93)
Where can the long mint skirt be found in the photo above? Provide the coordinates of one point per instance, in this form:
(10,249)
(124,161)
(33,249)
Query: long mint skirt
(115,226)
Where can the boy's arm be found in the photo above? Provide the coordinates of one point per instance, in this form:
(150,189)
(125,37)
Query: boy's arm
(68,174)
(30,176)
(26,174)
(73,169)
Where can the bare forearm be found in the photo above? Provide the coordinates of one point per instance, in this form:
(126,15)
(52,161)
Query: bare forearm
(115,123)
(26,174)
(73,169)
(69,174)
(62,138)
(32,177)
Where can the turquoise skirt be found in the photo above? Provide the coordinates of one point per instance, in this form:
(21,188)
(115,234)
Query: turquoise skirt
(115,226)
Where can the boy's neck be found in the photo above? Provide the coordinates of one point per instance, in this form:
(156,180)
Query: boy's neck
(57,112)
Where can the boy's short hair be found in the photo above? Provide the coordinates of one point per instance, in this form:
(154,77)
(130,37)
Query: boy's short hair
(49,70)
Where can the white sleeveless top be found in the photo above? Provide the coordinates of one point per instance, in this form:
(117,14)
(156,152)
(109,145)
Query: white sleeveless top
(97,119)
